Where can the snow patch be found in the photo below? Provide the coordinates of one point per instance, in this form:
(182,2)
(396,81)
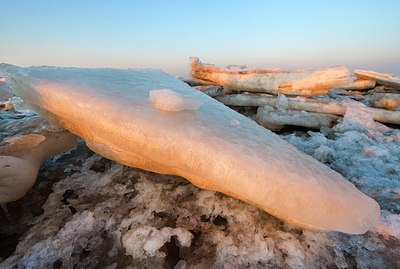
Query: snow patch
(148,240)
(376,151)
(389,225)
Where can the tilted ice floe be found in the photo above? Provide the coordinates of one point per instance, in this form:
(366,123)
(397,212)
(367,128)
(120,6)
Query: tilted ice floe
(117,113)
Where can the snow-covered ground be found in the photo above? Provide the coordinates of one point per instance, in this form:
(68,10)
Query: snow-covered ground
(86,212)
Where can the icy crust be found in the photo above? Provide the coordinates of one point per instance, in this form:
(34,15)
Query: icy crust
(90,215)
(147,240)
(111,110)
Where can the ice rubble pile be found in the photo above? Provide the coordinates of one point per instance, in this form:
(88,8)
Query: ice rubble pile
(115,112)
(379,94)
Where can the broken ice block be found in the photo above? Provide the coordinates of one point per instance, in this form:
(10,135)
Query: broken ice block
(21,157)
(290,82)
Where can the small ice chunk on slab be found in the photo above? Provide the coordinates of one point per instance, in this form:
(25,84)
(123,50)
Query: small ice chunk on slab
(19,105)
(282,102)
(168,100)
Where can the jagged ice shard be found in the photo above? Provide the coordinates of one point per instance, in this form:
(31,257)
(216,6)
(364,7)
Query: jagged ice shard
(203,141)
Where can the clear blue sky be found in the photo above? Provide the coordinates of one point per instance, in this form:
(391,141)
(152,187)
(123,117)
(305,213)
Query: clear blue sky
(163,34)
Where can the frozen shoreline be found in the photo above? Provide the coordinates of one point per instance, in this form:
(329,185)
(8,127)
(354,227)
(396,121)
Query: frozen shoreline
(93,202)
(88,211)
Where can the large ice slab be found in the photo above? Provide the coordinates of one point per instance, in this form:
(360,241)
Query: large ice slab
(212,146)
(291,82)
